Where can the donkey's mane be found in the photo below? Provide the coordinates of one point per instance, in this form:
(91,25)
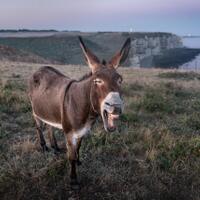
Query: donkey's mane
(85,76)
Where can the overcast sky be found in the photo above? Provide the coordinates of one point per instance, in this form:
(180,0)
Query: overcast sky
(177,16)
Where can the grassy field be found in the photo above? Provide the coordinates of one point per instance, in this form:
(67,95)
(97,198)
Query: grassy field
(155,154)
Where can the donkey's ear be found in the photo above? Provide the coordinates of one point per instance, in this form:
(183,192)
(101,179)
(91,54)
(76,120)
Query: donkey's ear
(90,58)
(121,56)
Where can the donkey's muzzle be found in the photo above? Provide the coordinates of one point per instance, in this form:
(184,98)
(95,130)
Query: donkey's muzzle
(111,109)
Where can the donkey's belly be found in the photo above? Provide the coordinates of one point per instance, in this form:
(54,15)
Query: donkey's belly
(54,124)
(47,107)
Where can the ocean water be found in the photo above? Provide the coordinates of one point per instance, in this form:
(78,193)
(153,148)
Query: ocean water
(195,63)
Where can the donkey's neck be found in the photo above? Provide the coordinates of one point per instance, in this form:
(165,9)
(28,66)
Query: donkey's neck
(84,90)
(82,93)
(78,103)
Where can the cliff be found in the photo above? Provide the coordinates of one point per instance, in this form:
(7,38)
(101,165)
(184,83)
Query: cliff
(144,49)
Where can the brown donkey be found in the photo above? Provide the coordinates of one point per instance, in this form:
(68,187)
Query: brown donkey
(73,106)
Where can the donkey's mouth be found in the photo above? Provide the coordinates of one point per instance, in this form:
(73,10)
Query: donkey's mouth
(109,120)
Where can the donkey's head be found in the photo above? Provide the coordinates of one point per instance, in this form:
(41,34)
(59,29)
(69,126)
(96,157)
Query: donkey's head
(106,84)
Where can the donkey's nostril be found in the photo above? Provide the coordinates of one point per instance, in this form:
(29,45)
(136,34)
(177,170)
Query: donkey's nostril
(117,110)
(108,104)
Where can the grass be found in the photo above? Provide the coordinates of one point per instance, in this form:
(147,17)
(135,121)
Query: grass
(51,48)
(183,75)
(155,154)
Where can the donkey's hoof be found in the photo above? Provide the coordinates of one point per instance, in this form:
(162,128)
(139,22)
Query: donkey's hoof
(74,184)
(45,148)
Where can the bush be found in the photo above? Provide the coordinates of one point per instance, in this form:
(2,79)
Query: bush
(13,98)
(193,121)
(153,101)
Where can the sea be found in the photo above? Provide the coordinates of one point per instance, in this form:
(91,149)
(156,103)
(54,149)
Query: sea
(192,42)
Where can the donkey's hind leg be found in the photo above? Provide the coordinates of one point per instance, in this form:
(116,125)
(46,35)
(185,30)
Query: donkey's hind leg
(39,130)
(52,138)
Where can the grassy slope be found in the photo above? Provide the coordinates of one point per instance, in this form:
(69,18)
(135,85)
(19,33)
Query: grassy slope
(12,54)
(155,154)
(47,47)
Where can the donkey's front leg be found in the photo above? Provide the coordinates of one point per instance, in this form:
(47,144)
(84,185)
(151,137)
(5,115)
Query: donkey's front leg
(72,147)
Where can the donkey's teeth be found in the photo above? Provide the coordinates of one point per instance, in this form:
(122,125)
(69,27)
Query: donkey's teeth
(113,116)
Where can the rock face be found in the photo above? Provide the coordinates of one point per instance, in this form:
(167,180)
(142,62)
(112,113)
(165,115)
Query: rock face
(143,49)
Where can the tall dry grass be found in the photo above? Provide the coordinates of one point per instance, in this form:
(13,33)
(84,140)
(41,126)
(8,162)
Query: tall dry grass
(155,153)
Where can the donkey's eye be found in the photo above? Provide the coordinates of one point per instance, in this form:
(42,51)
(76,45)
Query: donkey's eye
(98,81)
(119,81)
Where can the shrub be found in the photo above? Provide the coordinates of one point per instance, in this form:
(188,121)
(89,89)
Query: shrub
(153,101)
(193,121)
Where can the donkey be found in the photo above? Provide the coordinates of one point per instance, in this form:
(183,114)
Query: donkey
(73,106)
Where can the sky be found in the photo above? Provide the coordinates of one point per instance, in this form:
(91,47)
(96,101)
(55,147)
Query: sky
(177,16)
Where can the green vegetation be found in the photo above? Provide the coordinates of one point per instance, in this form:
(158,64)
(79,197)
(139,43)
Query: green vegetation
(180,75)
(60,49)
(155,154)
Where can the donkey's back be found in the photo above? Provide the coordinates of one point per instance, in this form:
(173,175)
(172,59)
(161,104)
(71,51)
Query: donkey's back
(46,77)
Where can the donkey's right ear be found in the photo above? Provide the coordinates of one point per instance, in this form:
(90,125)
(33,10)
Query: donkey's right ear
(90,58)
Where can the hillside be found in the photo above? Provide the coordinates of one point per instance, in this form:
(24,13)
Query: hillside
(163,50)
(64,46)
(155,153)
(12,54)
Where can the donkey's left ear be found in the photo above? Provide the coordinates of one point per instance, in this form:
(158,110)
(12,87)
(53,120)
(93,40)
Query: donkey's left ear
(90,57)
(121,56)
